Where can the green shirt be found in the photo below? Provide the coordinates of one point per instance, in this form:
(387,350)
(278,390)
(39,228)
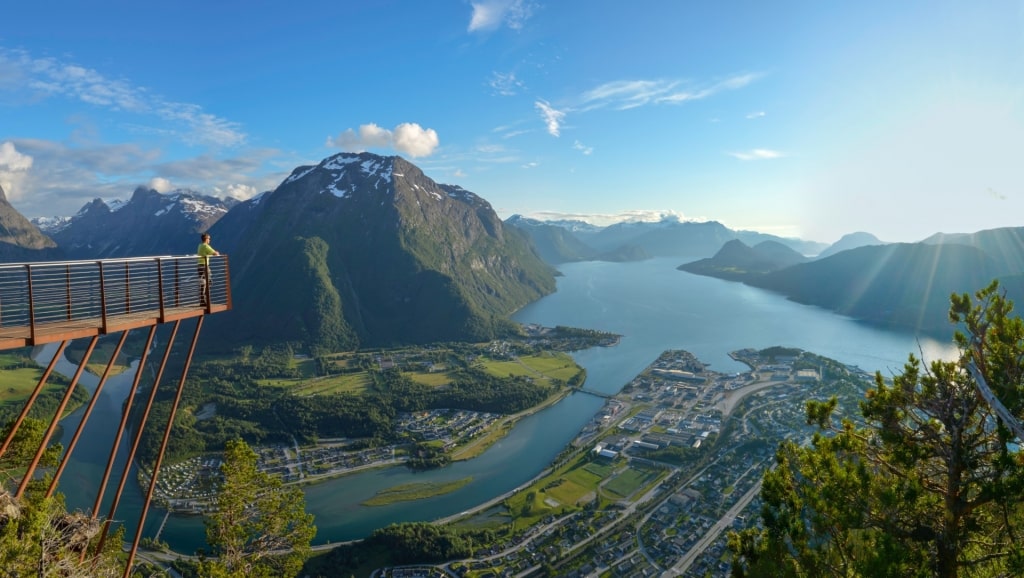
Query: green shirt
(204,251)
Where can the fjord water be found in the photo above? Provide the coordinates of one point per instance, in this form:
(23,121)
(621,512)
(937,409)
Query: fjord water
(651,304)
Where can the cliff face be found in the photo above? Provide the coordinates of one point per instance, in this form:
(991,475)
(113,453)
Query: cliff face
(20,240)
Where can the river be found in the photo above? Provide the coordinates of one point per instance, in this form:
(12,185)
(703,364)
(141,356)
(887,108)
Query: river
(651,304)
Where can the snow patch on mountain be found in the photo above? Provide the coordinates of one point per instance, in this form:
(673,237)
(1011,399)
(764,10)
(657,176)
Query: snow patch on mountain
(50,225)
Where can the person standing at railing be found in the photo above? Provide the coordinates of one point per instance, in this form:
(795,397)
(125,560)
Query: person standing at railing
(205,251)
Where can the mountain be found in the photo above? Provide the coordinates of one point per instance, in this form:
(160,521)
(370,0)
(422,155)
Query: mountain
(736,261)
(671,237)
(20,240)
(556,244)
(50,225)
(900,284)
(1005,245)
(367,250)
(150,223)
(850,241)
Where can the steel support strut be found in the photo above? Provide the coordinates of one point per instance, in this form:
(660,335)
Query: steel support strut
(163,447)
(30,472)
(138,438)
(124,421)
(32,398)
(85,416)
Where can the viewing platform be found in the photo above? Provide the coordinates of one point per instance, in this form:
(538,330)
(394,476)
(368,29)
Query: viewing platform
(62,300)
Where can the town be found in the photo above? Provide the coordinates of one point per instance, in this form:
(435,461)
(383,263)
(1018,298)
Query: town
(649,487)
(663,471)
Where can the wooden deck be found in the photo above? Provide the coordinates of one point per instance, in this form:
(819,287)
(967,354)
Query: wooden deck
(21,336)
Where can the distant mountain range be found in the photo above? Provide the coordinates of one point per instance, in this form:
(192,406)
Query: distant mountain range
(150,223)
(902,284)
(568,241)
(363,250)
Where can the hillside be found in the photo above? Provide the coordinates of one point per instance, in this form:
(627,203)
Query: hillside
(735,261)
(367,250)
(905,285)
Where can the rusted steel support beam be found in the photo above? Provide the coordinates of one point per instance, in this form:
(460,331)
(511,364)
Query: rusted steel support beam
(32,398)
(138,438)
(120,432)
(85,416)
(124,422)
(163,448)
(30,472)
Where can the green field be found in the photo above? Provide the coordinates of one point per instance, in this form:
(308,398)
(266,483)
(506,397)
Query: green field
(569,488)
(435,379)
(17,384)
(354,383)
(542,367)
(629,481)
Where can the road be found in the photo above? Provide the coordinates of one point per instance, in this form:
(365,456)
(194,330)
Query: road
(711,535)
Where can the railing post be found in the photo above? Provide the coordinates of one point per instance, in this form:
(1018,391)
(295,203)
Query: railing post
(103,298)
(127,288)
(67,287)
(177,282)
(31,306)
(160,287)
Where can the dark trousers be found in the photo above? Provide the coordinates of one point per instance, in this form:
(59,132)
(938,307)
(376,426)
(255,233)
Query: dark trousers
(204,284)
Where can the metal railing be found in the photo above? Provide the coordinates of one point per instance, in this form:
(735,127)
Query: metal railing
(42,302)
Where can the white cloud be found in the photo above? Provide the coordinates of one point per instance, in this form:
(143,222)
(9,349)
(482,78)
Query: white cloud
(627,94)
(505,84)
(582,148)
(459,173)
(408,138)
(161,185)
(605,219)
(757,155)
(14,168)
(414,140)
(238,191)
(35,78)
(753,115)
(12,160)
(491,14)
(64,177)
(375,136)
(552,118)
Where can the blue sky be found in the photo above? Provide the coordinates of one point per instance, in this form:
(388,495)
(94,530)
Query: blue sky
(798,118)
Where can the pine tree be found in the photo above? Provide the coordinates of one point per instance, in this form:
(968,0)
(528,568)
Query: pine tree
(260,527)
(927,482)
(38,536)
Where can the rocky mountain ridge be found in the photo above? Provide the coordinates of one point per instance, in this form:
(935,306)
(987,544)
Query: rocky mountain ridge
(149,223)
